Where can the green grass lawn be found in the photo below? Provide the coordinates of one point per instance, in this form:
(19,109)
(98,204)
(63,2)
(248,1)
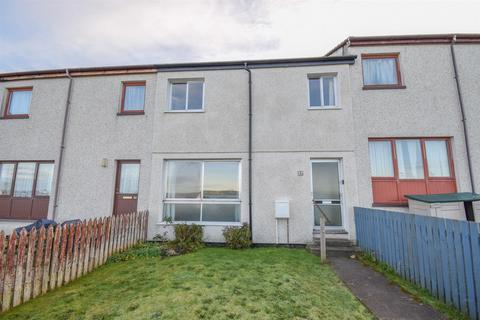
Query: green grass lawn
(213,283)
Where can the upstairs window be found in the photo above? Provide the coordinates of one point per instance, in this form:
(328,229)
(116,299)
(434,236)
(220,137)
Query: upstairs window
(381,71)
(18,103)
(133,97)
(203,191)
(186,95)
(322,91)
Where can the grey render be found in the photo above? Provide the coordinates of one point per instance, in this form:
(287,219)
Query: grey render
(287,135)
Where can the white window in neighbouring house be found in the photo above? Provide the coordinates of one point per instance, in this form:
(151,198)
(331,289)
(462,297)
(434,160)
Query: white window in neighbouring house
(381,162)
(186,95)
(322,91)
(202,191)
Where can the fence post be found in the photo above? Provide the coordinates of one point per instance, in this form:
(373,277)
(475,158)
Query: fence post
(2,261)
(9,272)
(38,267)
(29,269)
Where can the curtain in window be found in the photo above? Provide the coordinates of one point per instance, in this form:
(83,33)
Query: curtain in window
(44,179)
(129,176)
(6,178)
(24,179)
(437,158)
(409,156)
(20,102)
(134,98)
(381,162)
(380,71)
(328,91)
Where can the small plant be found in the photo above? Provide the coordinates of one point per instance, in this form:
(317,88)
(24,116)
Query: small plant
(238,237)
(162,238)
(188,238)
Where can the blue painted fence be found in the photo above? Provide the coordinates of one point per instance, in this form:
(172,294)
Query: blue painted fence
(440,255)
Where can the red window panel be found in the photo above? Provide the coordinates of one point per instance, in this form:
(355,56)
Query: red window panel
(439,178)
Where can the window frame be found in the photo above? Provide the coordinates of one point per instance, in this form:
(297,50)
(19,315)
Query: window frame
(35,178)
(201,200)
(6,109)
(126,84)
(394,55)
(426,178)
(171,82)
(335,91)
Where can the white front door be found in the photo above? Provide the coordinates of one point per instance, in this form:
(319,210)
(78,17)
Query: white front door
(327,192)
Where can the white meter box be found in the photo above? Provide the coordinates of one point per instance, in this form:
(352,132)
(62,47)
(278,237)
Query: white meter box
(282,209)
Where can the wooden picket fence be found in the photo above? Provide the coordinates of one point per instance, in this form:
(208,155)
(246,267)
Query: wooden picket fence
(41,260)
(440,255)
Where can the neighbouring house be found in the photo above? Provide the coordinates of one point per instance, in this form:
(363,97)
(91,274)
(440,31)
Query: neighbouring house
(224,143)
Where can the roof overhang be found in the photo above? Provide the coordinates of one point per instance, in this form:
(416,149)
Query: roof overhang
(407,40)
(195,66)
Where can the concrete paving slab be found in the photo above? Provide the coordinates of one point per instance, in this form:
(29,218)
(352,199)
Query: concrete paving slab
(384,299)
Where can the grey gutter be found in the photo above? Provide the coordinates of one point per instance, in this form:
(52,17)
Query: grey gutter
(462,113)
(250,116)
(62,144)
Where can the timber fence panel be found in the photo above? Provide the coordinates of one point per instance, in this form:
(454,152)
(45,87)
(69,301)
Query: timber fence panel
(440,255)
(32,263)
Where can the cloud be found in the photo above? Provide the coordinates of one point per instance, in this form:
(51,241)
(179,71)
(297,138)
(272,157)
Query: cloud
(53,34)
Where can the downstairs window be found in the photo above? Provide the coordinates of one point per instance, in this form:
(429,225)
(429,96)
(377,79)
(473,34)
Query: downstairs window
(410,166)
(202,191)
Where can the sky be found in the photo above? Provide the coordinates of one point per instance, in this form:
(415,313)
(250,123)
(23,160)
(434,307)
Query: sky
(49,34)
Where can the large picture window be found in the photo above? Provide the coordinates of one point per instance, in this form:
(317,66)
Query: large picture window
(202,190)
(410,166)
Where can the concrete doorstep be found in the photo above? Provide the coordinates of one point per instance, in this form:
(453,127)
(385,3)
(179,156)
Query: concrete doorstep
(384,299)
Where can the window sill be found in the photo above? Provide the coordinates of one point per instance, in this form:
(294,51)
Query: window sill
(16,116)
(383,87)
(207,224)
(324,108)
(131,113)
(184,111)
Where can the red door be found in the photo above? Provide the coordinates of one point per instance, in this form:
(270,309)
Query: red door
(126,186)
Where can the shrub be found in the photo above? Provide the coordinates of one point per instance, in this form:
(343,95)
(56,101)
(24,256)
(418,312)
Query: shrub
(188,238)
(238,237)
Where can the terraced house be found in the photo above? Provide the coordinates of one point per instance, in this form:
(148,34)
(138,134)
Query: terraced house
(224,143)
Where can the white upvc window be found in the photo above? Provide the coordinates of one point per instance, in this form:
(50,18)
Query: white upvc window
(206,191)
(322,91)
(186,95)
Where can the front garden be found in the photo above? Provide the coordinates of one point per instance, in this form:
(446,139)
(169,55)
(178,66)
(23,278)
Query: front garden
(211,283)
